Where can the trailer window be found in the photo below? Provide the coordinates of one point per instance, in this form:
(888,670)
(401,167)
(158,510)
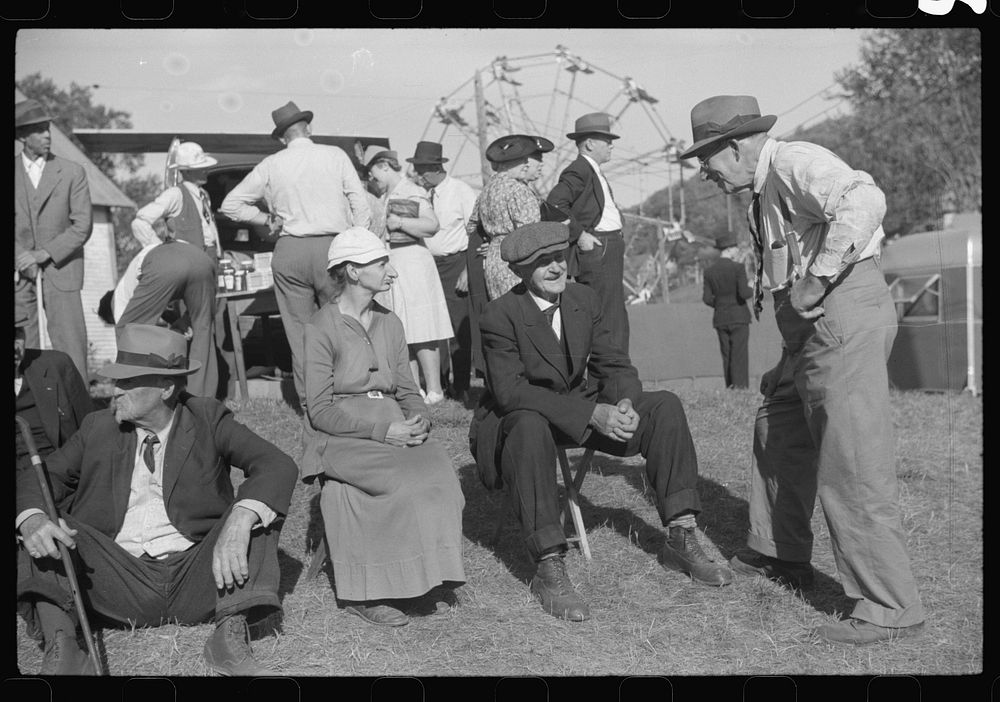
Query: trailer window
(917,298)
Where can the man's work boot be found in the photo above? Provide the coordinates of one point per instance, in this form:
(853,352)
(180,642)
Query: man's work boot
(682,552)
(63,656)
(552,587)
(228,652)
(792,574)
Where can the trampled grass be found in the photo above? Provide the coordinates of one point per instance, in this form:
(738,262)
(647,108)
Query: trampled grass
(646,620)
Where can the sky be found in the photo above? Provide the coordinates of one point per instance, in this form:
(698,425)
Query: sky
(387,82)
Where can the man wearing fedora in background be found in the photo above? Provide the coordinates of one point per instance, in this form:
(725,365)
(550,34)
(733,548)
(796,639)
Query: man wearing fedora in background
(725,290)
(312,192)
(597,257)
(825,426)
(52,222)
(183,267)
(49,395)
(149,510)
(542,340)
(453,201)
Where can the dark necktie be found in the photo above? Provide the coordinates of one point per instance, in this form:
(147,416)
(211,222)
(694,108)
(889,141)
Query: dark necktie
(758,244)
(550,314)
(147,451)
(206,205)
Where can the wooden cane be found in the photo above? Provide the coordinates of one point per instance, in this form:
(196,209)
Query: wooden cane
(53,514)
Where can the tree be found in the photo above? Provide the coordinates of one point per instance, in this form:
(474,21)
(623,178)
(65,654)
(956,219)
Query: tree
(917,111)
(75,108)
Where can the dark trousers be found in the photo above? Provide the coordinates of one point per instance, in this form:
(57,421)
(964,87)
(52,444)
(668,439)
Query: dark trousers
(180,271)
(528,465)
(302,285)
(734,340)
(449,268)
(66,327)
(478,297)
(603,270)
(143,592)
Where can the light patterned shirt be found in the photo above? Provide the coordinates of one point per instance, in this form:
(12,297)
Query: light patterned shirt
(834,212)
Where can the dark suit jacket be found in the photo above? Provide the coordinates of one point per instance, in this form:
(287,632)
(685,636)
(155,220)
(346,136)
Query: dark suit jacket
(527,369)
(579,194)
(91,475)
(60,395)
(56,217)
(725,288)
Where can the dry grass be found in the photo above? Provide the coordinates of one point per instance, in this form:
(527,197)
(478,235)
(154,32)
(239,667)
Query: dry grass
(646,620)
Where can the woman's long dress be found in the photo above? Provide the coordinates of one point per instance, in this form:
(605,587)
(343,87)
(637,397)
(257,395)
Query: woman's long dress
(417,297)
(392,515)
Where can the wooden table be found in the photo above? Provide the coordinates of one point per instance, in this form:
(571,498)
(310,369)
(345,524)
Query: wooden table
(248,303)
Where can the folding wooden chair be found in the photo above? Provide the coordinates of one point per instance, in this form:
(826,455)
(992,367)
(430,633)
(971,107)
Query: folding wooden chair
(572,485)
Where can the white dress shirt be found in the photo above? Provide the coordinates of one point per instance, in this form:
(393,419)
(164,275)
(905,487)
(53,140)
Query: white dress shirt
(611,219)
(34,168)
(314,188)
(453,201)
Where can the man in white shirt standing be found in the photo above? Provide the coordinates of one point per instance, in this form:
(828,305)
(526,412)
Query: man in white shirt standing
(453,201)
(149,511)
(312,192)
(597,253)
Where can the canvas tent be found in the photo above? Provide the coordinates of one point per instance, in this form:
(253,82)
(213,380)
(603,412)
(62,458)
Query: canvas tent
(936,281)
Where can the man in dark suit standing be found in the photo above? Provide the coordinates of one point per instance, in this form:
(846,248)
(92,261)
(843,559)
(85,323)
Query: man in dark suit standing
(149,509)
(727,291)
(597,255)
(49,394)
(541,341)
(52,222)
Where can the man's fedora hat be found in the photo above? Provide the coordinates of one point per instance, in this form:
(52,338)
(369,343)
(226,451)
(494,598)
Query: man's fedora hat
(725,117)
(286,116)
(593,124)
(190,155)
(525,244)
(514,146)
(427,153)
(374,153)
(29,112)
(146,349)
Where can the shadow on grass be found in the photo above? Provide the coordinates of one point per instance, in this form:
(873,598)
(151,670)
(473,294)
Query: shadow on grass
(723,519)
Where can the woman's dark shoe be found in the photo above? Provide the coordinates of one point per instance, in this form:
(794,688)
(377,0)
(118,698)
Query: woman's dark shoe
(378,612)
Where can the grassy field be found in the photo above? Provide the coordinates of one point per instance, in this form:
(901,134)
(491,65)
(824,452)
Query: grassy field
(646,620)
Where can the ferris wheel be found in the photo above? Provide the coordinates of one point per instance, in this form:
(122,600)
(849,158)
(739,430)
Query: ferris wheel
(543,94)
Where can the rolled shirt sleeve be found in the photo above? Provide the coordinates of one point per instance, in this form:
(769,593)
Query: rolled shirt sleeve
(856,217)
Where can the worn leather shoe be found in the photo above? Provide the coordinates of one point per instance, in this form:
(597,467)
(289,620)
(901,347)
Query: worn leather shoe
(379,613)
(682,552)
(793,574)
(64,656)
(228,652)
(552,586)
(859,632)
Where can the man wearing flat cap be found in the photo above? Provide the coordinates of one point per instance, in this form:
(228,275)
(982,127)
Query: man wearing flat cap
(726,291)
(825,427)
(312,192)
(542,340)
(597,253)
(149,511)
(52,222)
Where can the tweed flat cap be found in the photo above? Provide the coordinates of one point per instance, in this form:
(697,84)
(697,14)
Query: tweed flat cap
(525,244)
(515,146)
